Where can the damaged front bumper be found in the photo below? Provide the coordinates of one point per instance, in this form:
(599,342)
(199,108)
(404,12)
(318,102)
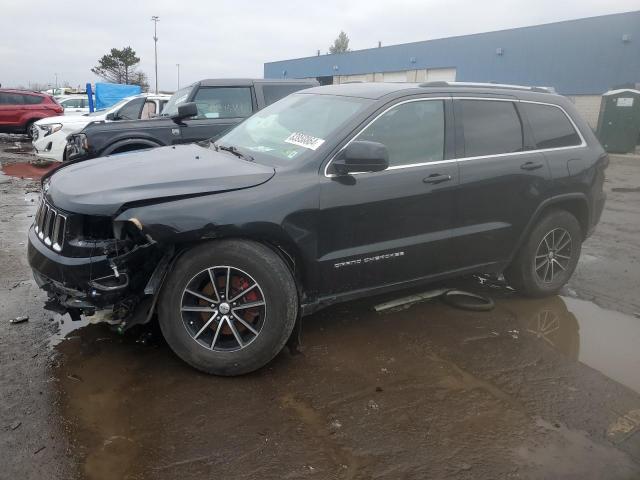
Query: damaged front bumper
(84,285)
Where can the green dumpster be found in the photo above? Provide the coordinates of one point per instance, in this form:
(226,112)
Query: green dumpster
(619,120)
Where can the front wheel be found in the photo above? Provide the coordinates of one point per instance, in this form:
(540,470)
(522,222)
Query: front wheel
(31,130)
(547,259)
(228,307)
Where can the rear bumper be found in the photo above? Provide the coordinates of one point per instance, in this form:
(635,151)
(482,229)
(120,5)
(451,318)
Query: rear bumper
(596,212)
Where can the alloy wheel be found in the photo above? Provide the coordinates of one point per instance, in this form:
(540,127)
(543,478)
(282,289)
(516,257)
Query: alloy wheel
(553,255)
(223,308)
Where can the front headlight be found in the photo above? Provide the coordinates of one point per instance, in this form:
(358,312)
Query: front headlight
(50,128)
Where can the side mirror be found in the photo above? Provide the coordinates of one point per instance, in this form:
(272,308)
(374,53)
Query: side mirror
(361,156)
(185,110)
(111,116)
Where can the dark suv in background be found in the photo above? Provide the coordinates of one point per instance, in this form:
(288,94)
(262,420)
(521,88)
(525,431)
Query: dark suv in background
(20,109)
(330,194)
(219,105)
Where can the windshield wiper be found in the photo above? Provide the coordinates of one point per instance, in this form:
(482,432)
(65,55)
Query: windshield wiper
(234,151)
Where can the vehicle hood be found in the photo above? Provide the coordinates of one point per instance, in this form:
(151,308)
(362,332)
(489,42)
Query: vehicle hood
(102,186)
(66,119)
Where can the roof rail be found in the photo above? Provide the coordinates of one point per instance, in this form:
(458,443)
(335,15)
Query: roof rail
(487,85)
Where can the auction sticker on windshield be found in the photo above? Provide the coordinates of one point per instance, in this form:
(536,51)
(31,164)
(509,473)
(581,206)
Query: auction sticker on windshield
(304,140)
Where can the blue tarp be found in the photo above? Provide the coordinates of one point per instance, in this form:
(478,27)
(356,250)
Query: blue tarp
(109,93)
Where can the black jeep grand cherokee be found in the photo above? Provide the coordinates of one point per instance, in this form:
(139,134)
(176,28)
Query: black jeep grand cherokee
(329,194)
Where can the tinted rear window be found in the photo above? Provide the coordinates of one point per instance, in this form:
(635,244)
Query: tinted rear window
(32,99)
(273,93)
(550,126)
(490,127)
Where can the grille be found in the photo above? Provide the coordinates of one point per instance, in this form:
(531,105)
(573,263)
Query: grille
(50,226)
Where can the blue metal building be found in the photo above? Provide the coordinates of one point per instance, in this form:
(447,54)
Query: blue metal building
(587,56)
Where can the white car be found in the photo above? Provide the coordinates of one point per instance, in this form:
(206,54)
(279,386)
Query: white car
(50,134)
(74,104)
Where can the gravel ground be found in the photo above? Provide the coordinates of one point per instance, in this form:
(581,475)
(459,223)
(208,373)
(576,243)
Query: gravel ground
(533,389)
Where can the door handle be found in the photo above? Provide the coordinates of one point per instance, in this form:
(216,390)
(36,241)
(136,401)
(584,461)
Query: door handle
(531,165)
(436,178)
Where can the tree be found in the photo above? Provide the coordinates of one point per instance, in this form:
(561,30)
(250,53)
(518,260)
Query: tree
(140,78)
(119,66)
(340,44)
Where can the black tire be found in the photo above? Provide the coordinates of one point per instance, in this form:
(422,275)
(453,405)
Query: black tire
(28,127)
(521,274)
(277,288)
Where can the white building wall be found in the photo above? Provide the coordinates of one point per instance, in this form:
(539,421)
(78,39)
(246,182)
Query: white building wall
(420,75)
(588,106)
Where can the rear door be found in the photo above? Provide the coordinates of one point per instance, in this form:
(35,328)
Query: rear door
(33,108)
(502,180)
(557,137)
(392,226)
(219,109)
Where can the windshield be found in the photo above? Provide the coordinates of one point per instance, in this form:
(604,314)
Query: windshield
(171,108)
(294,126)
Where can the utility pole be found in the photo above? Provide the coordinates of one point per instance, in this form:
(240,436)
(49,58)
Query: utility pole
(155,19)
(178,66)
(56,79)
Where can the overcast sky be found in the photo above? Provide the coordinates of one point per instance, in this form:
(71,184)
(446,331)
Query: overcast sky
(222,38)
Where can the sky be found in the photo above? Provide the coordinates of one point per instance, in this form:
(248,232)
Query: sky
(221,38)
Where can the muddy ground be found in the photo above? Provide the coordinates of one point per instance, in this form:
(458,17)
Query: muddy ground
(533,389)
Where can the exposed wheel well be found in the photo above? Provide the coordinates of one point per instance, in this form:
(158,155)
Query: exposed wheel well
(576,207)
(289,258)
(130,147)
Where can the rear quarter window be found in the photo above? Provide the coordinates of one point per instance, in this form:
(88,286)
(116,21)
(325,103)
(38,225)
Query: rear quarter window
(490,127)
(550,126)
(32,99)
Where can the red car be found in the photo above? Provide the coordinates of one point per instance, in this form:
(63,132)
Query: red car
(19,109)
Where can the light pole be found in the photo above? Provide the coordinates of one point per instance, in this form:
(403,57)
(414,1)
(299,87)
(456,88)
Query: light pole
(56,80)
(178,67)
(155,19)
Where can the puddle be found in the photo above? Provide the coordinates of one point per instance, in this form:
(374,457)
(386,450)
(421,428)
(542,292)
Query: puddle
(65,329)
(553,381)
(604,340)
(27,170)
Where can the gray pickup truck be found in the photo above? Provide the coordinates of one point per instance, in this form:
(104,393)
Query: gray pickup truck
(219,105)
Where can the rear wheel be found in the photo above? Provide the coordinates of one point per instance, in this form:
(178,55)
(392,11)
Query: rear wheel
(547,259)
(228,307)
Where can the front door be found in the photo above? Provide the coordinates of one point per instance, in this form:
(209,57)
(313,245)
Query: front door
(382,228)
